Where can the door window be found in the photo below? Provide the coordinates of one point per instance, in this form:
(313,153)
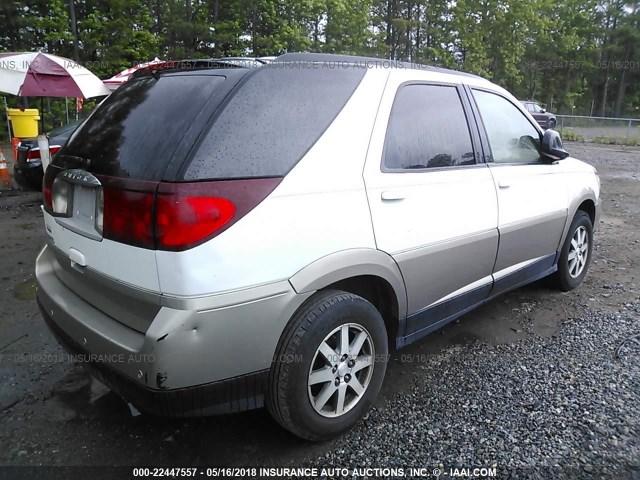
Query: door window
(427,129)
(513,139)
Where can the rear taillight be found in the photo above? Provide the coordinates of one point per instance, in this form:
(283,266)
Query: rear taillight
(175,216)
(34,153)
(158,215)
(187,214)
(182,220)
(125,211)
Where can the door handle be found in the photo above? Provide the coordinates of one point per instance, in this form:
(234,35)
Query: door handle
(504,183)
(392,196)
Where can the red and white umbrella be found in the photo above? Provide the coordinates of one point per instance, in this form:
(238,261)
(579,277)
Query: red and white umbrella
(120,78)
(35,74)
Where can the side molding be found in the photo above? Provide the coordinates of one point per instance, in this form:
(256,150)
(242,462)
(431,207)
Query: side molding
(352,263)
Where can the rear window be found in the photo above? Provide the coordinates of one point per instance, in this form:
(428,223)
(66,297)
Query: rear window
(272,120)
(135,132)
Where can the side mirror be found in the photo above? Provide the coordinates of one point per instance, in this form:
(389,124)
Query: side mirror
(552,147)
(543,110)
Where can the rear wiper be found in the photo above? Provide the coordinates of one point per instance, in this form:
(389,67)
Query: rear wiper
(74,161)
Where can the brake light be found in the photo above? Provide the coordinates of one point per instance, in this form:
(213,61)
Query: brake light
(182,220)
(158,215)
(188,214)
(175,216)
(125,211)
(34,153)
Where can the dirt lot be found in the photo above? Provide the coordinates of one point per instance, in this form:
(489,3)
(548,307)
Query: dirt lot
(42,423)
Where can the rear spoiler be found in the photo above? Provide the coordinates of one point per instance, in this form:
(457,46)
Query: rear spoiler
(198,64)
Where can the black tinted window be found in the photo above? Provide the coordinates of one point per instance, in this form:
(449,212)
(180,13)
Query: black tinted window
(272,121)
(136,130)
(427,129)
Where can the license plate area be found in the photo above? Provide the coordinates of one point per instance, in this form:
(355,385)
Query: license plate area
(85,202)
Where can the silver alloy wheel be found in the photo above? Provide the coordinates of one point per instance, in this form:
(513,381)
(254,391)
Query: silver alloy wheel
(341,370)
(578,251)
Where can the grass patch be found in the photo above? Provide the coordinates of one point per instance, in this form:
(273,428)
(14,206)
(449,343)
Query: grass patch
(629,142)
(570,135)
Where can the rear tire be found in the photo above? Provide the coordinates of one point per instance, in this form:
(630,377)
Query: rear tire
(575,256)
(320,385)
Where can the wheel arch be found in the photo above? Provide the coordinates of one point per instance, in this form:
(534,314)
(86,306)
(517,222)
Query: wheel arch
(369,273)
(586,202)
(588,206)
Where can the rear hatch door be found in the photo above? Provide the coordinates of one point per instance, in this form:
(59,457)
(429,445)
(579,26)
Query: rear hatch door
(126,146)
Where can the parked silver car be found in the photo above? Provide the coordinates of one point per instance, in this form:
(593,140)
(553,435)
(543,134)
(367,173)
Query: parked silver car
(222,238)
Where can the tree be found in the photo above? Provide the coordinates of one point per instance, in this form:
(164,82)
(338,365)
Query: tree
(571,54)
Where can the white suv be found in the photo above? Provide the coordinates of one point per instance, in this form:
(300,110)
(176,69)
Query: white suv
(223,237)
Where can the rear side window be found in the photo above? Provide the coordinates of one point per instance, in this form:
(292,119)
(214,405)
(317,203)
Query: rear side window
(427,129)
(272,120)
(136,130)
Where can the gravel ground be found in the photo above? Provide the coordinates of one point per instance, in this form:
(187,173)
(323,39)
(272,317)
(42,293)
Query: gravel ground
(564,406)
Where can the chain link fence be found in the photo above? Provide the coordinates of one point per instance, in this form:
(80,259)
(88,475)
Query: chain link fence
(614,131)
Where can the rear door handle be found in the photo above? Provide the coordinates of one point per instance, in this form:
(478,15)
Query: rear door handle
(502,183)
(392,195)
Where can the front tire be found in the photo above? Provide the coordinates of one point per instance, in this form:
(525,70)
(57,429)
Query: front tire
(329,365)
(575,256)
(552,123)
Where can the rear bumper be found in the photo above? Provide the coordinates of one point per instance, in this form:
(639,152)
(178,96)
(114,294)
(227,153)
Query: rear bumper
(199,356)
(237,394)
(29,176)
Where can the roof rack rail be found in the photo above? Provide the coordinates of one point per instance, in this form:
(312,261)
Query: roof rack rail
(369,61)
